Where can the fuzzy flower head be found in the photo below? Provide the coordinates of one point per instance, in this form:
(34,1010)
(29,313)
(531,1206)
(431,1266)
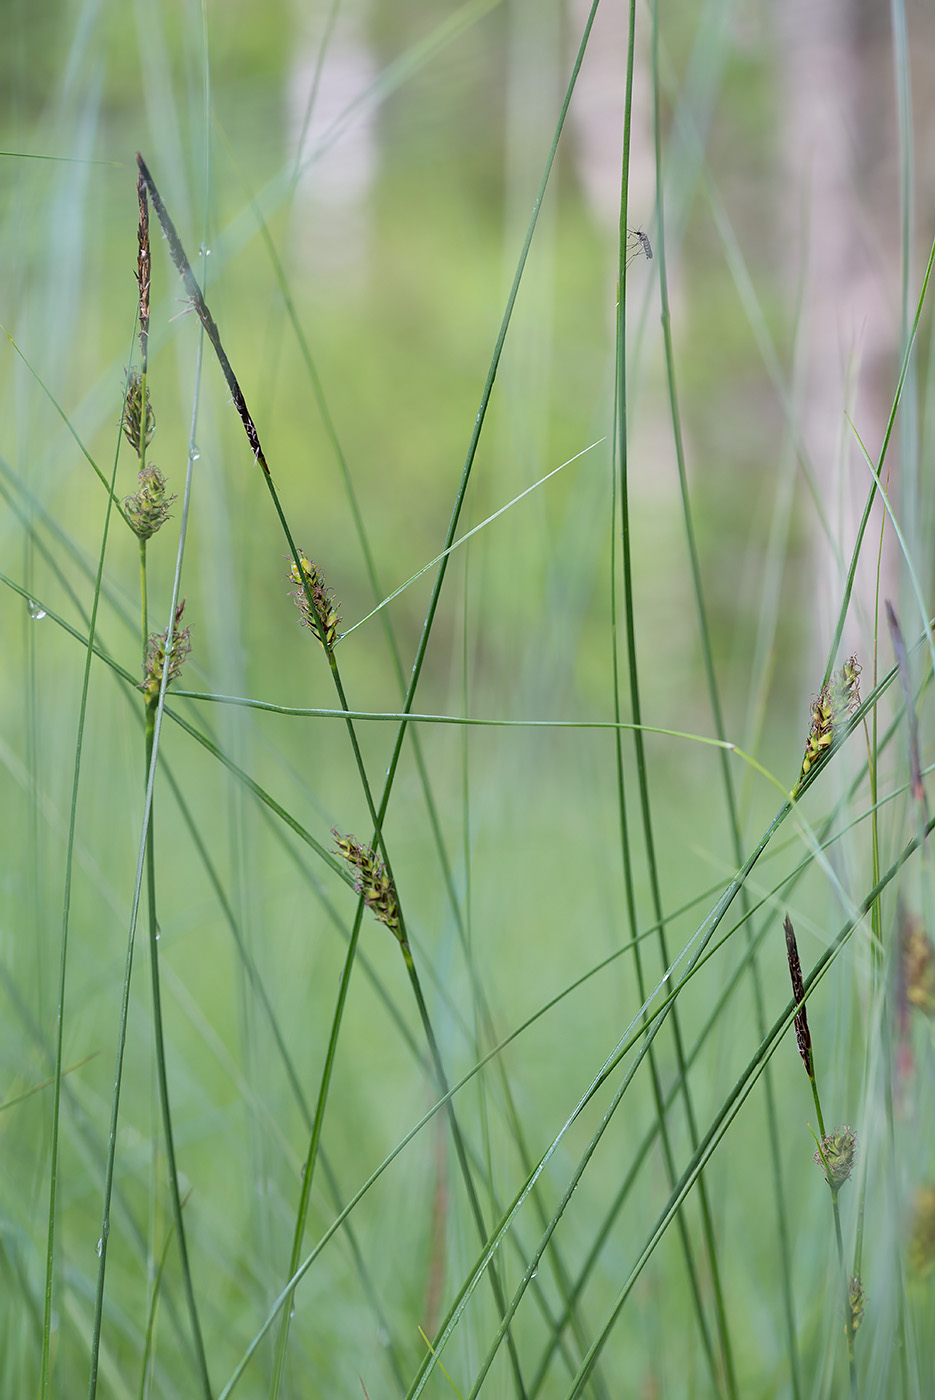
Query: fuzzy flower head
(836,1155)
(133,414)
(148,508)
(156,656)
(321,615)
(371,880)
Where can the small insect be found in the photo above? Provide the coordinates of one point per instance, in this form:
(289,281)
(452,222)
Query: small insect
(642,245)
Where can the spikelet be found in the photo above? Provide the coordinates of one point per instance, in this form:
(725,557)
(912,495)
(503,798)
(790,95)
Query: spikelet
(156,656)
(836,1155)
(148,508)
(320,615)
(371,880)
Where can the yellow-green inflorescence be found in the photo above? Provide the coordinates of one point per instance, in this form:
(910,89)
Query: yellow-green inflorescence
(371,880)
(855,1301)
(133,411)
(321,614)
(148,508)
(836,700)
(836,1155)
(155,661)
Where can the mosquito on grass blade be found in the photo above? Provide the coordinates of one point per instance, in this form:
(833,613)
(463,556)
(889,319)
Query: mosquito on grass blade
(642,245)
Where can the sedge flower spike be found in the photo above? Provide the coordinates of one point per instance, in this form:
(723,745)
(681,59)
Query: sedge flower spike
(133,413)
(837,701)
(371,881)
(148,508)
(320,615)
(155,662)
(802,1036)
(836,1155)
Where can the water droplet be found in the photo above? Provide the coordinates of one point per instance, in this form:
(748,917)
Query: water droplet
(100,1247)
(292,1312)
(534,1272)
(195,452)
(35,611)
(157,935)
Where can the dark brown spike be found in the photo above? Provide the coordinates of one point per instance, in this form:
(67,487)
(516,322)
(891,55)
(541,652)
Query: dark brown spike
(193,291)
(802,1036)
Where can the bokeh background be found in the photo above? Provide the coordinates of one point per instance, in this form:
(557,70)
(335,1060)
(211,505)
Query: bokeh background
(353,183)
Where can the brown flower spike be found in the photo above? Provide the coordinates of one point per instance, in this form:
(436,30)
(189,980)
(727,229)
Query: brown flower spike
(803,1038)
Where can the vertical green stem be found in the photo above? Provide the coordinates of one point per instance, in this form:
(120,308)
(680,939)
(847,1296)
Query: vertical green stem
(162,1077)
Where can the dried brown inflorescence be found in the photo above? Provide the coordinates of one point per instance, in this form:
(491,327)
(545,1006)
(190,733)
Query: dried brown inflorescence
(802,1036)
(143,263)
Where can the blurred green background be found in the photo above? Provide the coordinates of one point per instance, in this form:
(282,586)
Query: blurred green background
(371,168)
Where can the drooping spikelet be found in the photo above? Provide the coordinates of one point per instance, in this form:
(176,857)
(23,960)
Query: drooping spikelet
(371,880)
(155,661)
(320,615)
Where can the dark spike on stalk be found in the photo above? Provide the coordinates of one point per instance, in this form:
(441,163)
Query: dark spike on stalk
(200,307)
(143,265)
(802,1036)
